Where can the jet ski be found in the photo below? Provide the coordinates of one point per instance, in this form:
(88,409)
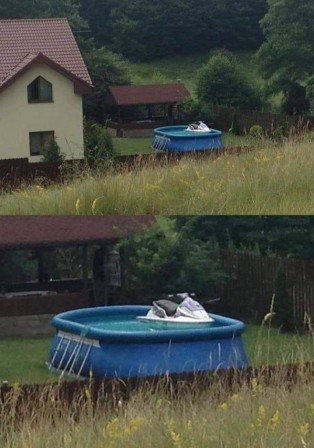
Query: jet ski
(198,126)
(180,310)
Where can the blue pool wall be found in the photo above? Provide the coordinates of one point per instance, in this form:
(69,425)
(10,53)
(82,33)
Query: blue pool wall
(169,138)
(144,353)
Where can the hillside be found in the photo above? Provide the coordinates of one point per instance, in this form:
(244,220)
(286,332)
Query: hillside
(185,67)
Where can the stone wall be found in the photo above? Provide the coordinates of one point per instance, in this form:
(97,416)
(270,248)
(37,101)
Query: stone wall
(30,326)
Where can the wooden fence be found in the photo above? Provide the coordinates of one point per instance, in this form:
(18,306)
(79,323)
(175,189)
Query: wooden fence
(17,172)
(250,290)
(41,304)
(242,121)
(14,172)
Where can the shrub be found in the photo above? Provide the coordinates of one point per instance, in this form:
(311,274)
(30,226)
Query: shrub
(167,260)
(224,82)
(52,153)
(256,131)
(97,143)
(192,110)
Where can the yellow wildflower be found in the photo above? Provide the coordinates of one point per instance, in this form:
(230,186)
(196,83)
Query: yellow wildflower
(176,438)
(236,397)
(135,425)
(257,388)
(273,422)
(303,429)
(113,429)
(223,406)
(260,416)
(67,440)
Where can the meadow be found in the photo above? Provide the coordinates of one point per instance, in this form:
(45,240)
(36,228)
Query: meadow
(274,179)
(190,415)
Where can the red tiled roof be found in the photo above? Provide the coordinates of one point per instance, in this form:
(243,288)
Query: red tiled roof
(38,231)
(23,40)
(148,94)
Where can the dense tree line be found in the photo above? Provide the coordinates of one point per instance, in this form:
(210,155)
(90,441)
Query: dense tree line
(146,30)
(142,29)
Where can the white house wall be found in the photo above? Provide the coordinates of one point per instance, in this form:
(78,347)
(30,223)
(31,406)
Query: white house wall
(18,118)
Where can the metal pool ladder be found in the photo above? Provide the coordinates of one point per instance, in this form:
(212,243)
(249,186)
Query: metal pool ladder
(68,368)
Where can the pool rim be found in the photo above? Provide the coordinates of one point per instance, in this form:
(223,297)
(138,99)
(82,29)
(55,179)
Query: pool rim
(165,131)
(62,322)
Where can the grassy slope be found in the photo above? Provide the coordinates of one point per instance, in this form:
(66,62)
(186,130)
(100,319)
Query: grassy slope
(23,360)
(172,68)
(269,181)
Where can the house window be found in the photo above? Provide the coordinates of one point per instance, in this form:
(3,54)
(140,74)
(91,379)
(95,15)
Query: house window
(39,91)
(38,141)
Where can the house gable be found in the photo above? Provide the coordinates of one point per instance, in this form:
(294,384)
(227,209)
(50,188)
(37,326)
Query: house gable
(25,42)
(80,86)
(19,117)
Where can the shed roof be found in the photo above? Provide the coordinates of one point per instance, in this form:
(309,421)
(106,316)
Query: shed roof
(148,94)
(26,232)
(21,41)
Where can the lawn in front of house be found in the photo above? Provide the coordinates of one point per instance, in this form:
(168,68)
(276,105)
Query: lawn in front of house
(142,145)
(23,359)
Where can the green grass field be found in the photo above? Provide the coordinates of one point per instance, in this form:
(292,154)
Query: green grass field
(23,360)
(142,145)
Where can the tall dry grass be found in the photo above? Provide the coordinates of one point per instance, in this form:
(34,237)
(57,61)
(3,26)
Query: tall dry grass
(273,180)
(254,414)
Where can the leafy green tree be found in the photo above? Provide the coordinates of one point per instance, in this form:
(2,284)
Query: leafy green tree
(167,260)
(223,81)
(287,54)
(106,69)
(289,46)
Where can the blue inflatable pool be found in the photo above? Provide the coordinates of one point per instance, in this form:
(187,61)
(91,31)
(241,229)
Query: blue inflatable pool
(179,139)
(111,342)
